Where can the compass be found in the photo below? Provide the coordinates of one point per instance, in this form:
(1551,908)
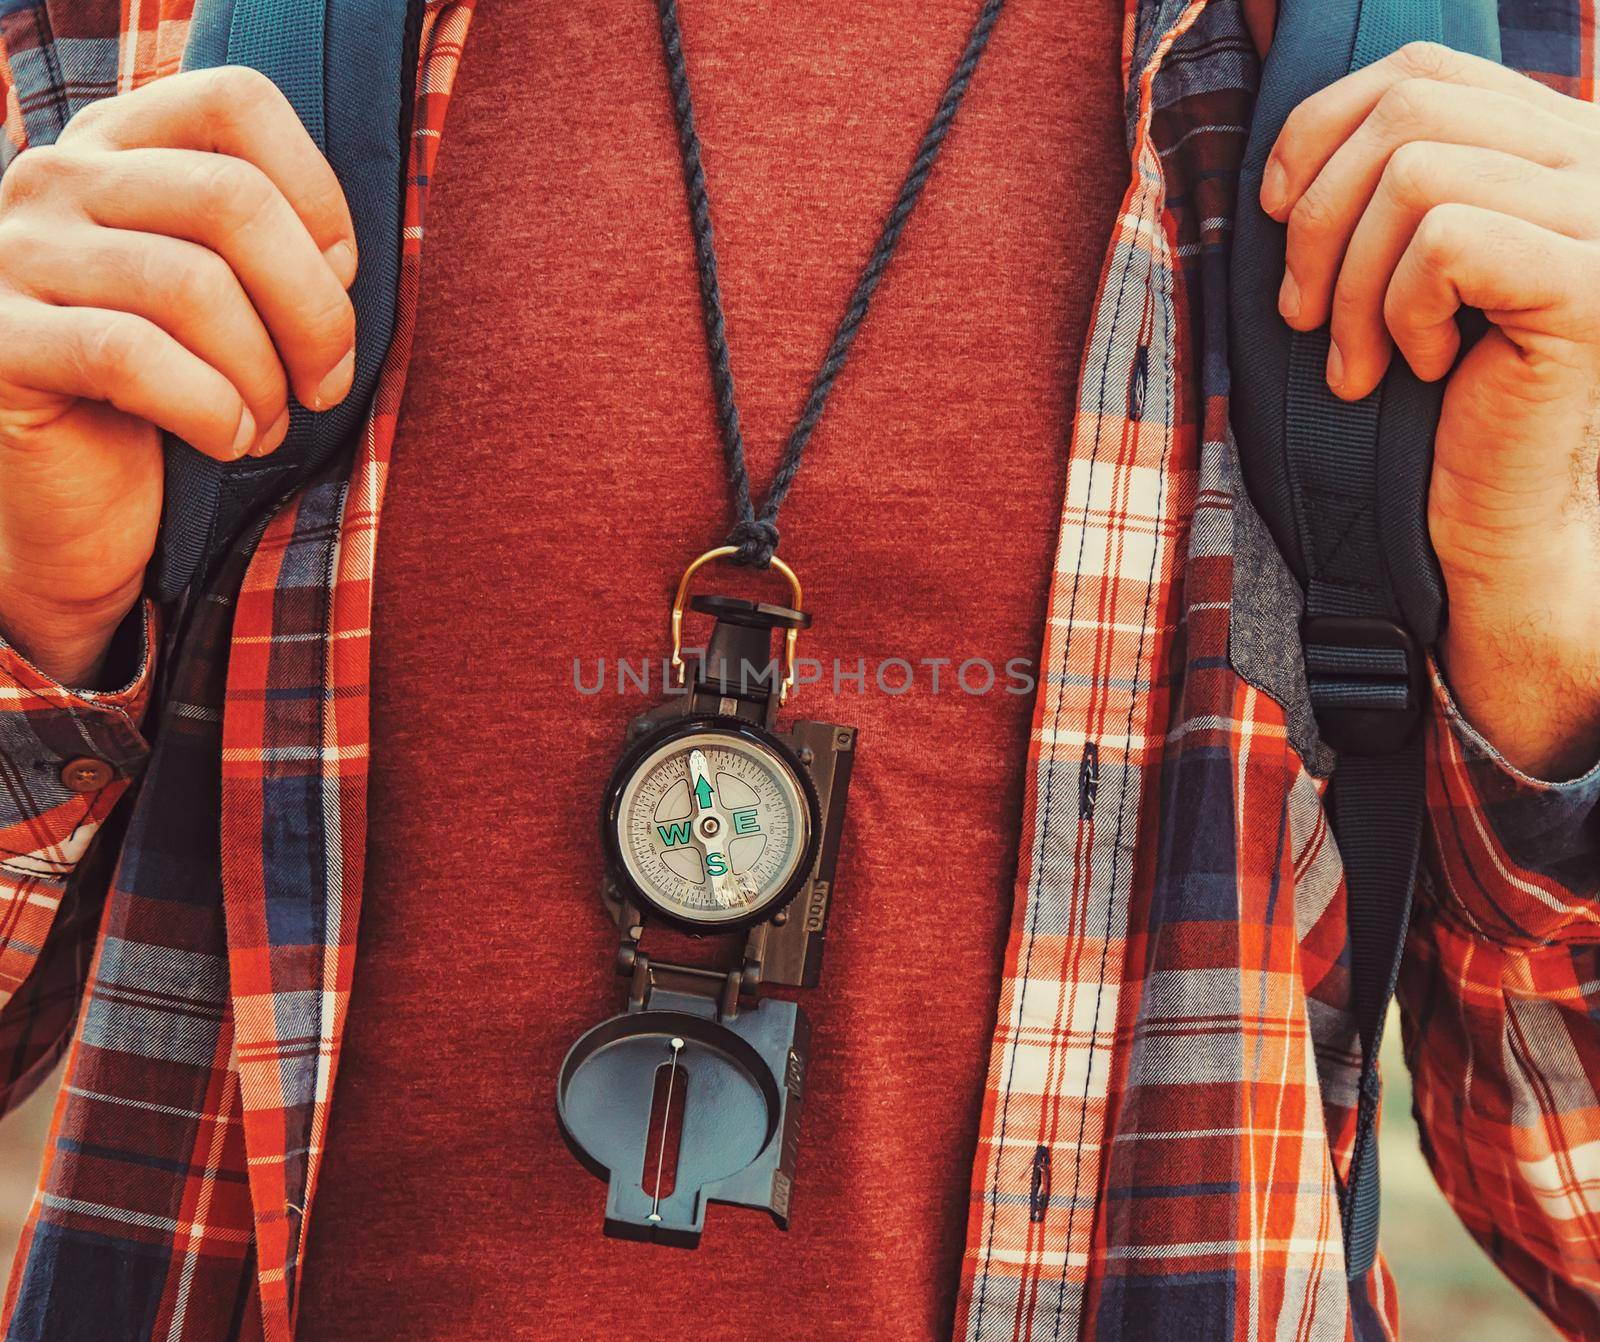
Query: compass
(722,823)
(711,823)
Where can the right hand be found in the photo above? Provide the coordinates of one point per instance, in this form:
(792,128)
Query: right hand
(178,260)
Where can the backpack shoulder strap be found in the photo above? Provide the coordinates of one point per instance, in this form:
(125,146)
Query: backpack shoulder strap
(348,67)
(1343,488)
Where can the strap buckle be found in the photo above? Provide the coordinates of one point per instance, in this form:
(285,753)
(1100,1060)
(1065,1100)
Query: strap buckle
(1367,682)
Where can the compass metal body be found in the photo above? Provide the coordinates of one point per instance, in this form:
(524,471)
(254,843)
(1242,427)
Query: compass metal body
(718,823)
(740,1090)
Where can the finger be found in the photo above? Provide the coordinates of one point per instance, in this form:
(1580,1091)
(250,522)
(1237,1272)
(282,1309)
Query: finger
(128,362)
(1419,177)
(1324,121)
(1539,287)
(187,290)
(234,111)
(1325,214)
(233,208)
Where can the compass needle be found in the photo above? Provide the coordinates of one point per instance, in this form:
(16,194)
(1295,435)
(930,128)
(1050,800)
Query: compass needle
(701,777)
(713,822)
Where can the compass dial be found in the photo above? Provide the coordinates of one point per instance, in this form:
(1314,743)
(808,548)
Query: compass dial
(711,823)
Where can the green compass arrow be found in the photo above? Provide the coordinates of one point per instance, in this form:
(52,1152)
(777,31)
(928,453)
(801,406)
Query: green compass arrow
(700,772)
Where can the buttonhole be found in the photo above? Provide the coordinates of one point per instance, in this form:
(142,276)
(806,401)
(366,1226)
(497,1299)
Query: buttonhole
(1039,1187)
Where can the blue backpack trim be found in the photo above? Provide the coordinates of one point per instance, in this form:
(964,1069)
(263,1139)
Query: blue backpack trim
(348,67)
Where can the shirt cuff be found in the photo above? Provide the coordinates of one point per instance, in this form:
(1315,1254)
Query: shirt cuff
(69,754)
(1517,857)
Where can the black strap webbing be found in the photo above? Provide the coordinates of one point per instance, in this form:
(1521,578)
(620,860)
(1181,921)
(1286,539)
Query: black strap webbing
(1343,488)
(1364,674)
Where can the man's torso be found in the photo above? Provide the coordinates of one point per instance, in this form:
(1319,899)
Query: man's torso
(557,465)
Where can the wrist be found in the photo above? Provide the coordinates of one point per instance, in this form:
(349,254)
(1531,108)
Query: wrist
(1522,659)
(68,643)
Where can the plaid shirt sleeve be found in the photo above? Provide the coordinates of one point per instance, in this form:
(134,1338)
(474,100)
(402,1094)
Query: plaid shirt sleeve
(1501,1001)
(51,875)
(12,138)
(52,740)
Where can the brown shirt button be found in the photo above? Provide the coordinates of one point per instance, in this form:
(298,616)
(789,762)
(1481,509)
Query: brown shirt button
(86,774)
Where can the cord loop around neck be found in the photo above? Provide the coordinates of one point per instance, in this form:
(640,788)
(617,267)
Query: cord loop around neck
(756,533)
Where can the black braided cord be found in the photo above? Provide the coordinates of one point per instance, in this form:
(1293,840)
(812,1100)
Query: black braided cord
(756,531)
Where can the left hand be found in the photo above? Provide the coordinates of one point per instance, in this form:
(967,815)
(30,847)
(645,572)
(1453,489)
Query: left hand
(1428,181)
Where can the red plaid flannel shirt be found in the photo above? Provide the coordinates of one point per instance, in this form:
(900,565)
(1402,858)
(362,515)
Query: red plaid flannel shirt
(1173,1033)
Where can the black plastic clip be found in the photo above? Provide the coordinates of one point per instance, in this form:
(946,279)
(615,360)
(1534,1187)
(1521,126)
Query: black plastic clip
(1367,680)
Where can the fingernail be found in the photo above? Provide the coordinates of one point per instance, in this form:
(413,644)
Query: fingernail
(1335,367)
(273,438)
(1274,187)
(1289,297)
(341,259)
(244,435)
(333,387)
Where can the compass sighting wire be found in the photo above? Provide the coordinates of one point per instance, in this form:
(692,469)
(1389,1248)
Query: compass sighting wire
(676,1045)
(756,530)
